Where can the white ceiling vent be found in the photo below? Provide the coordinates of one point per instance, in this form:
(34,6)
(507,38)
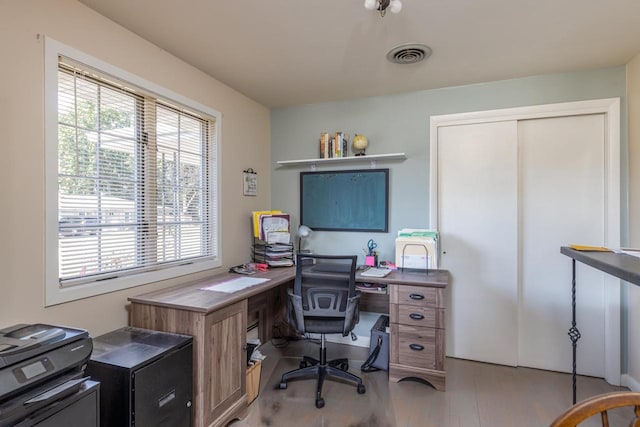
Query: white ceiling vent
(409,53)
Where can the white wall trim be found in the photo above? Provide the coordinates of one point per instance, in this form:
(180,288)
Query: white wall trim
(632,383)
(577,108)
(54,293)
(610,107)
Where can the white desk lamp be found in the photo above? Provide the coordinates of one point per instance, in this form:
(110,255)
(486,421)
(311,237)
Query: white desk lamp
(303,232)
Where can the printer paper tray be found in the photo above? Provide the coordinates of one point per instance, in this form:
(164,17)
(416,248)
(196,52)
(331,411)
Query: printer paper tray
(34,399)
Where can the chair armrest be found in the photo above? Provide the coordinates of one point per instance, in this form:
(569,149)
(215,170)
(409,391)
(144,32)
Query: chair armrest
(295,315)
(352,314)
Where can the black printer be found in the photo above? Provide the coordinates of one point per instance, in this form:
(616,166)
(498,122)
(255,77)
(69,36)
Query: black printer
(40,366)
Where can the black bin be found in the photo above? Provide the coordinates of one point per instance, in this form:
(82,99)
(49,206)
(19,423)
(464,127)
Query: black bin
(146,378)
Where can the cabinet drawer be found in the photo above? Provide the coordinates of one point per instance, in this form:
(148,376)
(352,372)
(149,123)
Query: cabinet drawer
(418,347)
(415,315)
(417,295)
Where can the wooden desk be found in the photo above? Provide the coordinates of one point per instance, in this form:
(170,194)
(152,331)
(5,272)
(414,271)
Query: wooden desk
(622,266)
(417,330)
(218,323)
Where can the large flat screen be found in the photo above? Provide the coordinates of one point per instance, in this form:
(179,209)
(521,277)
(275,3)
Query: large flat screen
(346,200)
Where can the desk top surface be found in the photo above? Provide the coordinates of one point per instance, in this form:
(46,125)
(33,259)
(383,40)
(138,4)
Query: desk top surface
(623,266)
(431,278)
(191,296)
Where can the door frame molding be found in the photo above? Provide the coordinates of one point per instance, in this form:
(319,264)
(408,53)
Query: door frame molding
(610,107)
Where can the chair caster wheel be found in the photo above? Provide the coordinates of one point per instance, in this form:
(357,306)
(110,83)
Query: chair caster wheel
(361,389)
(319,403)
(343,366)
(282,385)
(304,364)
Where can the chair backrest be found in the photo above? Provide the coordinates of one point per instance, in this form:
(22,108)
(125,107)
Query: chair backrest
(600,404)
(324,291)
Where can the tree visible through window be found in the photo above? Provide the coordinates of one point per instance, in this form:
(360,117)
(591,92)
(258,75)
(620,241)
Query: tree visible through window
(133,179)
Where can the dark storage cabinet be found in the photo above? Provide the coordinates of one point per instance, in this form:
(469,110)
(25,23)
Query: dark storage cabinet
(146,377)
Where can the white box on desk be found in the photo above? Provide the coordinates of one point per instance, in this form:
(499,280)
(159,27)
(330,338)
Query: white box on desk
(416,252)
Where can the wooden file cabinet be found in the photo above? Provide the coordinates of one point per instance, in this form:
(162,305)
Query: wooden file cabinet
(219,337)
(417,338)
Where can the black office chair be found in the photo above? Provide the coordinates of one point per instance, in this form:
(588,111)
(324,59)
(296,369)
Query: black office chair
(324,300)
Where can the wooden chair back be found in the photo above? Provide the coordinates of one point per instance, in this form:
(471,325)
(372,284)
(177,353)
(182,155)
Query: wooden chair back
(600,404)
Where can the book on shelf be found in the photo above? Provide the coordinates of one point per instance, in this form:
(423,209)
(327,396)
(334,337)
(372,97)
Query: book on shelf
(338,144)
(332,147)
(345,147)
(324,145)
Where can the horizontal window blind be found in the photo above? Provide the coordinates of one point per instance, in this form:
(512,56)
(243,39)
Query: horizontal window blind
(135,179)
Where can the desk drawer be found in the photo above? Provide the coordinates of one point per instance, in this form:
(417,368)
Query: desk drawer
(430,317)
(417,295)
(418,347)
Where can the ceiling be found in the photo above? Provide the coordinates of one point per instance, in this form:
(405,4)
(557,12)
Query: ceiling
(292,52)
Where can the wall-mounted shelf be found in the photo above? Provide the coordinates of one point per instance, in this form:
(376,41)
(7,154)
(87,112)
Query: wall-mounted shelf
(373,158)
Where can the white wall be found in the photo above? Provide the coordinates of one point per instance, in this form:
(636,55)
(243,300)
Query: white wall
(400,123)
(633,307)
(244,143)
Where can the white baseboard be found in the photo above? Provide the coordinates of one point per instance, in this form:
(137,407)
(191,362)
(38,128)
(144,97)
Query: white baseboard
(629,381)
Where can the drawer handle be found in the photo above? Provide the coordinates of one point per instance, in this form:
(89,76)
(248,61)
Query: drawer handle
(416,347)
(416,296)
(416,316)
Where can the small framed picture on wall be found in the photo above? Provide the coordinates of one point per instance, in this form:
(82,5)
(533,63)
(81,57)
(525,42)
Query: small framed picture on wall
(249,182)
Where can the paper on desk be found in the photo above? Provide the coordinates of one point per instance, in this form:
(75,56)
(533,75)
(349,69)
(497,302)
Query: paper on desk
(256,220)
(273,222)
(235,285)
(283,237)
(630,251)
(588,248)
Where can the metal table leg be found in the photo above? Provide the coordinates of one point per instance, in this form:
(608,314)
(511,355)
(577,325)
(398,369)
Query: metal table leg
(574,333)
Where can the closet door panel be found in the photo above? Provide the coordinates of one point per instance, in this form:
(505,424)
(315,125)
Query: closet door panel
(562,177)
(477,220)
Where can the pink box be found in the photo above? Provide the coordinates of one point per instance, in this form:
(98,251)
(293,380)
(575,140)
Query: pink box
(370,260)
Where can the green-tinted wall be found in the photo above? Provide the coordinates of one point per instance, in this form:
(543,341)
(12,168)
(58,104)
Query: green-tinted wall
(400,123)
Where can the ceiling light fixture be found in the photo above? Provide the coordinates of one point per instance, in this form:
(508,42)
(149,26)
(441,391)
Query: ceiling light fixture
(381,6)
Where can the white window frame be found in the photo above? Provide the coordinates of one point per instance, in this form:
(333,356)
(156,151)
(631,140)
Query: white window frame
(54,293)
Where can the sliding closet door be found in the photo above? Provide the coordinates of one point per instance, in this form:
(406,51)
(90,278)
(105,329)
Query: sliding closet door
(477,211)
(562,201)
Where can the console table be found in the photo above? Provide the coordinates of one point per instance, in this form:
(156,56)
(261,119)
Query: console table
(218,322)
(622,266)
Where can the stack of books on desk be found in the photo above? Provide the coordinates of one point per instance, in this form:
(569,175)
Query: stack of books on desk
(274,255)
(271,239)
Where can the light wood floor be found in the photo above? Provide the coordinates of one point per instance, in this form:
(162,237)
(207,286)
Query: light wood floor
(478,395)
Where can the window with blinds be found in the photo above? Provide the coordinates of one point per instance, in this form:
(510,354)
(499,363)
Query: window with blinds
(135,177)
